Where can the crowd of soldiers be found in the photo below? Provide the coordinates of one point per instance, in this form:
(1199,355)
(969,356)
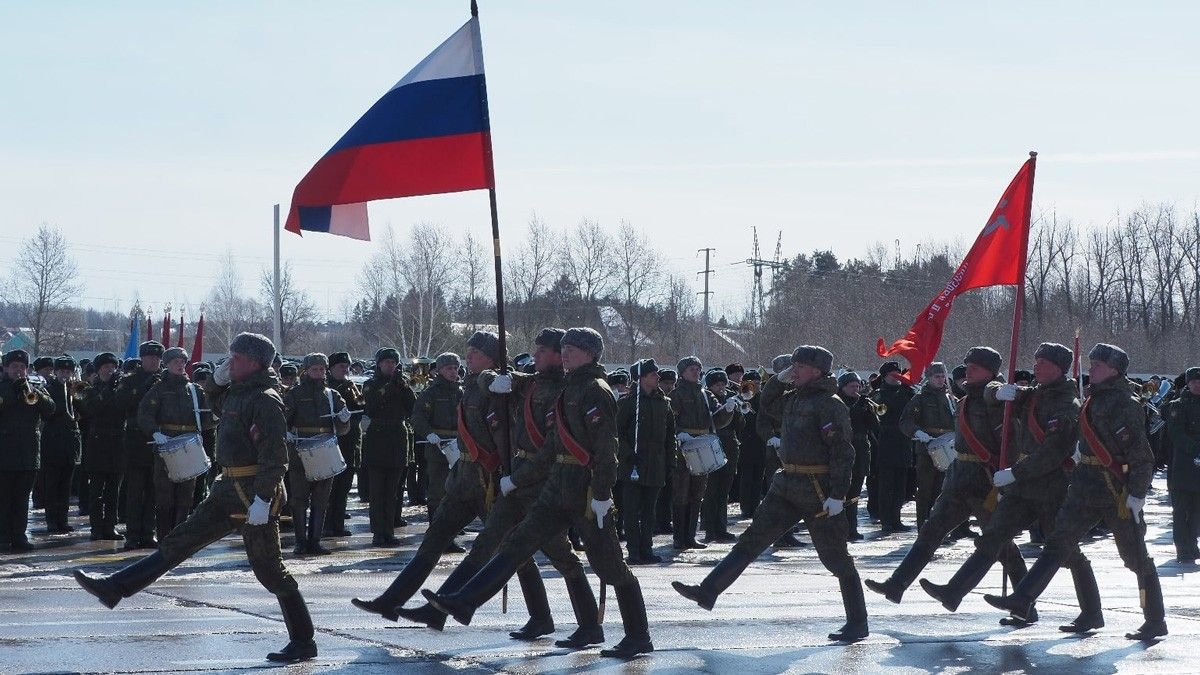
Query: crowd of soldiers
(555,454)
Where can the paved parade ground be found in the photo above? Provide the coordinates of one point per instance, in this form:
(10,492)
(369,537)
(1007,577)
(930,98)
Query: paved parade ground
(210,615)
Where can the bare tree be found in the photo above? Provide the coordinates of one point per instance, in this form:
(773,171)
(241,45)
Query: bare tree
(476,273)
(638,275)
(296,310)
(229,310)
(586,259)
(42,283)
(530,267)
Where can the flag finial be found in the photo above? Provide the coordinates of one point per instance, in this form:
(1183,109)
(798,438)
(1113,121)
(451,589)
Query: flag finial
(474,8)
(1032,154)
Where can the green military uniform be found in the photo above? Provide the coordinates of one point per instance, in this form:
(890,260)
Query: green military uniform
(649,450)
(310,409)
(139,461)
(1116,467)
(1182,416)
(892,459)
(62,448)
(389,402)
(435,414)
(931,410)
(698,413)
(714,510)
(350,443)
(168,408)
(20,439)
(104,456)
(818,462)
(864,424)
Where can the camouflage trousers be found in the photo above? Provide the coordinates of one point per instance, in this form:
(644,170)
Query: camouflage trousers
(215,517)
(438,470)
(506,514)
(464,501)
(1081,511)
(1013,515)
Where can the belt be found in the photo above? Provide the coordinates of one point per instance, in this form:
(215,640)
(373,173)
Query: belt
(240,471)
(452,433)
(1091,460)
(567,459)
(176,427)
(969,457)
(806,468)
(697,432)
(314,430)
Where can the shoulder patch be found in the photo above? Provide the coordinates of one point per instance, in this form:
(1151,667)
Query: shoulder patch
(594,415)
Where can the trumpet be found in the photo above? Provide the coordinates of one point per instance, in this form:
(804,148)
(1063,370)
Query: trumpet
(880,409)
(29,389)
(748,389)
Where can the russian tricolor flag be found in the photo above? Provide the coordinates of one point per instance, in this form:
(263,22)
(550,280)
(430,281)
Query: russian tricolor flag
(429,134)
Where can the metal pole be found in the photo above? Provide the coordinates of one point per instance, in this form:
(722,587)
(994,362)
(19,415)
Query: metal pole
(277,309)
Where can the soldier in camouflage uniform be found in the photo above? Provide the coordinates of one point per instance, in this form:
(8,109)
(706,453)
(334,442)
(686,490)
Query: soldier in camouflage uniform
(1109,485)
(929,414)
(818,460)
(769,431)
(172,407)
(531,407)
(864,424)
(252,452)
(1045,419)
(714,510)
(968,488)
(434,422)
(474,459)
(697,413)
(647,444)
(61,447)
(350,443)
(139,449)
(1182,416)
(577,492)
(389,402)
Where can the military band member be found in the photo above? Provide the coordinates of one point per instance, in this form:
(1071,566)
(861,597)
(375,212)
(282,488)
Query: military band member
(968,488)
(1182,416)
(389,403)
(350,443)
(697,413)
(139,449)
(252,451)
(818,461)
(104,453)
(23,407)
(311,409)
(894,456)
(1109,485)
(864,424)
(928,415)
(647,444)
(289,375)
(667,379)
(577,492)
(714,509)
(61,446)
(434,421)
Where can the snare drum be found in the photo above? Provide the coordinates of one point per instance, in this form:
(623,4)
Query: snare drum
(942,452)
(184,457)
(703,455)
(320,456)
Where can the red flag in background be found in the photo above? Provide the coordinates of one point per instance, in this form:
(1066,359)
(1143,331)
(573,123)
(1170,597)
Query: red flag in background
(197,345)
(997,258)
(166,329)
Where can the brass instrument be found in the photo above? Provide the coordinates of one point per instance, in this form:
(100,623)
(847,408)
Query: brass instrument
(880,409)
(29,389)
(748,389)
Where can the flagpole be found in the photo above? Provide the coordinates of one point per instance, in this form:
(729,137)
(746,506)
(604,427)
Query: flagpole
(1018,308)
(277,309)
(502,360)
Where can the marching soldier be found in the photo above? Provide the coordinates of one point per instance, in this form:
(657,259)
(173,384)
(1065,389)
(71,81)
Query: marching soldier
(768,427)
(864,424)
(389,402)
(471,485)
(697,413)
(23,406)
(929,414)
(311,409)
(139,449)
(1045,419)
(714,510)
(577,492)
(61,446)
(895,454)
(818,461)
(1183,429)
(253,455)
(968,487)
(172,407)
(1109,484)
(647,443)
(434,421)
(349,443)
(104,453)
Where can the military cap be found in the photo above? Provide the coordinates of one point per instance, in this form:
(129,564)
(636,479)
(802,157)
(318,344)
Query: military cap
(150,348)
(715,376)
(781,362)
(687,362)
(486,342)
(734,368)
(815,356)
(104,358)
(984,357)
(889,367)
(959,372)
(289,368)
(521,360)
(643,368)
(848,377)
(256,346)
(550,337)
(935,368)
(1022,376)
(752,375)
(15,356)
(314,359)
(1059,355)
(667,375)
(64,361)
(130,365)
(386,353)
(201,366)
(43,362)
(587,339)
(618,377)
(1113,355)
(1190,374)
(447,359)
(173,353)
(88,369)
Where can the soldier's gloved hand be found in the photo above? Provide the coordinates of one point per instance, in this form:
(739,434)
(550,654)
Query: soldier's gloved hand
(1077,456)
(433,439)
(833,506)
(259,512)
(452,452)
(160,438)
(501,384)
(1196,461)
(1007,392)
(1135,505)
(290,437)
(731,403)
(344,415)
(684,437)
(773,442)
(221,375)
(600,508)
(507,485)
(922,436)
(1003,477)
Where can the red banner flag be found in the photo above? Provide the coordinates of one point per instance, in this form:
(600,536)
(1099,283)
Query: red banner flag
(166,329)
(149,326)
(197,345)
(997,258)
(179,333)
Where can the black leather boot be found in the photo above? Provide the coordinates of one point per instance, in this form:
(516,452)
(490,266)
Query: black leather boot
(914,561)
(540,622)
(680,533)
(300,646)
(430,615)
(964,581)
(633,617)
(587,615)
(720,578)
(856,611)
(1020,603)
(461,604)
(1087,593)
(1153,611)
(402,588)
(126,581)
(693,524)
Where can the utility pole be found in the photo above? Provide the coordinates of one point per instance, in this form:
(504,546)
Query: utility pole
(758,304)
(708,270)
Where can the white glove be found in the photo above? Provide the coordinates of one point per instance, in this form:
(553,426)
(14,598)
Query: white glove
(221,375)
(160,438)
(833,506)
(501,384)
(1077,457)
(1007,392)
(259,512)
(1196,461)
(364,422)
(344,415)
(787,375)
(600,508)
(433,439)
(452,452)
(291,438)
(773,442)
(1135,505)
(684,437)
(507,485)
(1003,477)
(922,436)
(731,403)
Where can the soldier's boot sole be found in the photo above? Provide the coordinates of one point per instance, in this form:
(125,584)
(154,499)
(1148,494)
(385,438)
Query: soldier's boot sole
(1087,592)
(426,614)
(629,648)
(582,638)
(696,594)
(533,629)
(399,591)
(888,589)
(1014,621)
(100,587)
(450,605)
(1020,603)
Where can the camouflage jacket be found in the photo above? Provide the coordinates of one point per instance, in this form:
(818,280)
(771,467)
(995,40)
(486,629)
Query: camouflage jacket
(253,430)
(932,411)
(307,409)
(1119,421)
(167,408)
(1038,464)
(130,390)
(389,402)
(984,416)
(537,392)
(655,437)
(590,417)
(815,426)
(437,409)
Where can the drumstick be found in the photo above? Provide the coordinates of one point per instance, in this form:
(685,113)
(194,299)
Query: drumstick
(825,514)
(352,412)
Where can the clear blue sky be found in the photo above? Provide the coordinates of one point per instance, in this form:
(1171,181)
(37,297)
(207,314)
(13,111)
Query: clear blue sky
(150,128)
